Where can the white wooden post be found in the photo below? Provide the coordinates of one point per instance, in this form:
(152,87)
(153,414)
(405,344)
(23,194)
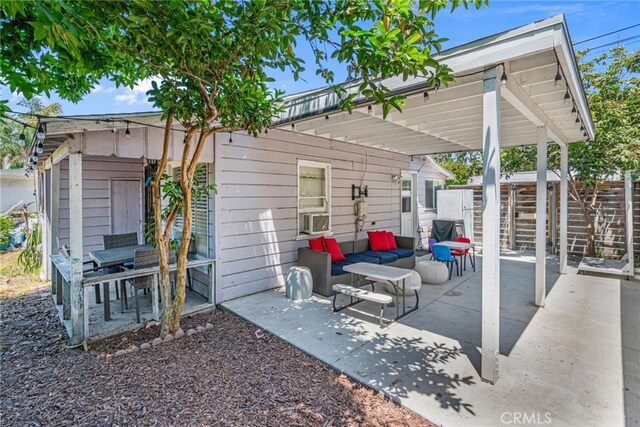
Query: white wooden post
(155,302)
(76,248)
(491,226)
(54,218)
(564,200)
(628,206)
(541,217)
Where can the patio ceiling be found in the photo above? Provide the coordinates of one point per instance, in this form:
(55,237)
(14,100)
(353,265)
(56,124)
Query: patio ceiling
(450,119)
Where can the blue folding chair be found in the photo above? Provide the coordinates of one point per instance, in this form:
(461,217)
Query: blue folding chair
(431,243)
(442,253)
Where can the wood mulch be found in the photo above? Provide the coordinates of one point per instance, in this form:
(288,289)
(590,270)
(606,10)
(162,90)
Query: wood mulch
(226,375)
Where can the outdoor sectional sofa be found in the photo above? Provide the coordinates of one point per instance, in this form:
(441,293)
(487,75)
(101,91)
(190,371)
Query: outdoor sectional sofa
(326,273)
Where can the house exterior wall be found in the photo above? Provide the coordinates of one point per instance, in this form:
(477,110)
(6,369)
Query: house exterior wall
(256,203)
(96,205)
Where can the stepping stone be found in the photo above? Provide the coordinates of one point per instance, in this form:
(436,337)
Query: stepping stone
(156,341)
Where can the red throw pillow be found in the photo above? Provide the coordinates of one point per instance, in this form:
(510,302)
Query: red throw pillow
(391,239)
(378,240)
(332,247)
(317,244)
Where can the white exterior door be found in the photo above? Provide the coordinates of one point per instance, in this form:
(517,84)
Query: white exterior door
(126,206)
(408,204)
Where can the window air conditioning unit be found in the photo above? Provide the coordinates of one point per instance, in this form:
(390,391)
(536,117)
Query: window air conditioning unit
(315,223)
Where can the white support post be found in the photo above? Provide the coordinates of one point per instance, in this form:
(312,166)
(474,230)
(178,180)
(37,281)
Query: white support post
(564,200)
(76,248)
(628,207)
(541,218)
(54,218)
(491,226)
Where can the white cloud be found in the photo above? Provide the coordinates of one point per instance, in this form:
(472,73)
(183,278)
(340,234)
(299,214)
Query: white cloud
(134,96)
(102,89)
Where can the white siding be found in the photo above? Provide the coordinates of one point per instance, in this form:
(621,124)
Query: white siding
(257,201)
(96,172)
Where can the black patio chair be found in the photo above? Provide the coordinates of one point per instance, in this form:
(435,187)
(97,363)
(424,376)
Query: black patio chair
(145,258)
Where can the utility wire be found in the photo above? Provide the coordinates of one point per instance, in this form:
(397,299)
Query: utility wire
(615,42)
(607,34)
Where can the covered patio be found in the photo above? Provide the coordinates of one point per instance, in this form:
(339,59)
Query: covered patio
(575,362)
(94,174)
(520,87)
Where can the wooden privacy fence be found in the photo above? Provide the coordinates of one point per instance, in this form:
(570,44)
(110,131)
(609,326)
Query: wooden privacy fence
(518,220)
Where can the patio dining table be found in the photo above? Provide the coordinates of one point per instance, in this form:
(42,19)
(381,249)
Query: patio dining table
(387,274)
(461,246)
(107,258)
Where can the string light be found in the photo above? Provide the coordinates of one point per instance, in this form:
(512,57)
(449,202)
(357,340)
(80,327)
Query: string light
(127,133)
(425,97)
(558,80)
(40,134)
(567,97)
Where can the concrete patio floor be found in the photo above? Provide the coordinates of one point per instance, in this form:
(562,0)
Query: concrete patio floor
(575,362)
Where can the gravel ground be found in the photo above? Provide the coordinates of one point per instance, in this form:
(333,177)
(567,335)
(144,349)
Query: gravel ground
(226,375)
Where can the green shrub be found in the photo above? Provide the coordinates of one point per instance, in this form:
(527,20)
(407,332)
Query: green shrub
(31,258)
(6,225)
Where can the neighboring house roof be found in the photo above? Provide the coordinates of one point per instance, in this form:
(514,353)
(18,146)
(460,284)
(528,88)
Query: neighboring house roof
(450,119)
(441,169)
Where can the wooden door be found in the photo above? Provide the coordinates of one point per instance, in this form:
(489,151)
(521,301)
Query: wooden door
(126,206)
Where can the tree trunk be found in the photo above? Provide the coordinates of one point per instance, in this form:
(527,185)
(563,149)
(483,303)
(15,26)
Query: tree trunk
(161,230)
(586,209)
(590,246)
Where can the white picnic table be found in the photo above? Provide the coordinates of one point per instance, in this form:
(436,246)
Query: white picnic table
(387,274)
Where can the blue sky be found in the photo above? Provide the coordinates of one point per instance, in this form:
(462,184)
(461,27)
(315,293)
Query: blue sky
(585,19)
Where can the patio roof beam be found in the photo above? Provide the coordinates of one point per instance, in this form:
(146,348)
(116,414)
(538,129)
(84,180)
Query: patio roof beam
(491,226)
(541,217)
(58,155)
(518,97)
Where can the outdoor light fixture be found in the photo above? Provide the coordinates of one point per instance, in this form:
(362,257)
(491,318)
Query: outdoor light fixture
(22,138)
(582,127)
(326,117)
(230,140)
(558,80)
(34,159)
(293,126)
(127,132)
(503,79)
(567,97)
(370,109)
(577,120)
(40,133)
(574,112)
(425,97)
(39,148)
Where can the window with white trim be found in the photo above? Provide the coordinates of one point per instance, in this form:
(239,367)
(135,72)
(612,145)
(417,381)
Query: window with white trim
(314,197)
(430,194)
